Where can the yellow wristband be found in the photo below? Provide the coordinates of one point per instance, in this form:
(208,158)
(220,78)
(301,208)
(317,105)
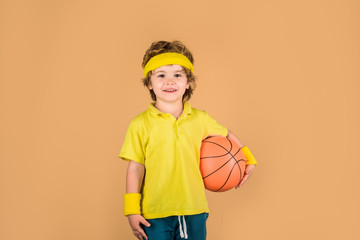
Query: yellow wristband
(132,203)
(249,157)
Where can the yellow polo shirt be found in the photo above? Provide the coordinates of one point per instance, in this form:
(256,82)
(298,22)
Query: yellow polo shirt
(170,150)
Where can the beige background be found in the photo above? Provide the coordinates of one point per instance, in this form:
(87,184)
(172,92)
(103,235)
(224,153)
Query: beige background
(282,75)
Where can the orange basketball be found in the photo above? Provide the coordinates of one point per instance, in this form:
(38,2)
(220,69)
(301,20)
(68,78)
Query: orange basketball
(222,164)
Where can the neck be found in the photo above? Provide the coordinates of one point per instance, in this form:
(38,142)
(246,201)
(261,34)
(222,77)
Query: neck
(175,109)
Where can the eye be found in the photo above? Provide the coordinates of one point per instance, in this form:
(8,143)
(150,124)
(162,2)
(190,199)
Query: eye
(178,75)
(161,75)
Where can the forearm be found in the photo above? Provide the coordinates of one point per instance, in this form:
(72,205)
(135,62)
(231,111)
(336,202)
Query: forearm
(134,177)
(232,137)
(132,198)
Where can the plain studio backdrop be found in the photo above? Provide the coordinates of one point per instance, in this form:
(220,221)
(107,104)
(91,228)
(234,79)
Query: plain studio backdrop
(282,75)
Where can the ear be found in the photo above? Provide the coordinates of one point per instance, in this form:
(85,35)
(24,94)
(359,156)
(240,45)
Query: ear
(187,85)
(149,86)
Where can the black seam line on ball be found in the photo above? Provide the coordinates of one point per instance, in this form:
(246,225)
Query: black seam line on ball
(228,152)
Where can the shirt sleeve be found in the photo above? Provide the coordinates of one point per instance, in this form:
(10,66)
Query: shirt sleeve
(213,127)
(132,148)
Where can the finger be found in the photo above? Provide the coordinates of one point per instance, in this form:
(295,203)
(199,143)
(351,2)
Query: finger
(239,184)
(244,179)
(138,235)
(144,222)
(142,234)
(135,234)
(249,171)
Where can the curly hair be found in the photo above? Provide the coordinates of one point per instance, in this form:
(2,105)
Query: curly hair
(160,47)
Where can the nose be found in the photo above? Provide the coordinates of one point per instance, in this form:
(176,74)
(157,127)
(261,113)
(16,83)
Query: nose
(170,81)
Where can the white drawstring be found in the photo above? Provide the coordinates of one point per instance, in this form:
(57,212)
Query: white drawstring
(183,233)
(185,230)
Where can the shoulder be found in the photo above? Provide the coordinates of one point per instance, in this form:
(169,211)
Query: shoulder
(202,115)
(199,113)
(139,120)
(140,117)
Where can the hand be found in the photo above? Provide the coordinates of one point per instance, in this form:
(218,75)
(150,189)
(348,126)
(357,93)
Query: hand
(135,223)
(248,170)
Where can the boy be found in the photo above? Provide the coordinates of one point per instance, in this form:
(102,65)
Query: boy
(165,196)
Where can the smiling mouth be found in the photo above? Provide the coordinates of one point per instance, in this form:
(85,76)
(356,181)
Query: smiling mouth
(170,90)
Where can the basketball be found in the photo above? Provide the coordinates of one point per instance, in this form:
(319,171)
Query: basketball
(222,164)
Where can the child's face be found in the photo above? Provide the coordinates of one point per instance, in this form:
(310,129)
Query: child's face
(169,83)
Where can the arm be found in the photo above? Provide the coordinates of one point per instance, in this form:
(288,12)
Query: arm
(232,137)
(249,168)
(134,178)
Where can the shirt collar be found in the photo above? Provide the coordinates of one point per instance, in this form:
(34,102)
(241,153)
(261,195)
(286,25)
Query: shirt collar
(187,109)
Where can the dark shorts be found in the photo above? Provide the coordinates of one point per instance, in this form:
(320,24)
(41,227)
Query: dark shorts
(191,227)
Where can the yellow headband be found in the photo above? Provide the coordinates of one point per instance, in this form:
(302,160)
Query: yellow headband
(167,59)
